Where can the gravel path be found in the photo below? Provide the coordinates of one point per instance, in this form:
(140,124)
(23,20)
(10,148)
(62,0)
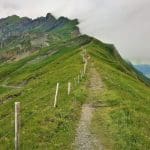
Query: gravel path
(85,140)
(10,86)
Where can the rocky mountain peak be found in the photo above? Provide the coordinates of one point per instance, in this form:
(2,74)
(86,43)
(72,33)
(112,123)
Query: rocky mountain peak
(49,16)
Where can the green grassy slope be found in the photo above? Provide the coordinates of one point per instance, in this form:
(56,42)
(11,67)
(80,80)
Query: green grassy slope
(43,126)
(123,122)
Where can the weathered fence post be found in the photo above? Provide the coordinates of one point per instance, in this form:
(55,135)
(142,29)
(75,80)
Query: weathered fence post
(85,65)
(81,74)
(17,125)
(83,58)
(75,81)
(69,88)
(78,79)
(84,51)
(55,100)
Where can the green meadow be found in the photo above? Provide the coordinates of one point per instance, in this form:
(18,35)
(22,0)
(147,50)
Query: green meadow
(122,109)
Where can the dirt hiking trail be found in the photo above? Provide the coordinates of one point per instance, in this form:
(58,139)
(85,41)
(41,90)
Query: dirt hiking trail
(85,140)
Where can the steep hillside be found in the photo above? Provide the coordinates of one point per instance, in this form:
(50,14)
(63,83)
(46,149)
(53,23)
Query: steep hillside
(144,68)
(37,54)
(122,110)
(34,81)
(21,35)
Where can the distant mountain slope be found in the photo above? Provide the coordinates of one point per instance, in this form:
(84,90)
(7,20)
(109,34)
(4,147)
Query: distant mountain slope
(144,68)
(21,35)
(37,54)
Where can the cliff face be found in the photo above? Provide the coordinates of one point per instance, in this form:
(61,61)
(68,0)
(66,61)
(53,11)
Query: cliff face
(15,25)
(19,35)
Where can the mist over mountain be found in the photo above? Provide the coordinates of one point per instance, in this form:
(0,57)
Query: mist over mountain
(144,68)
(22,36)
(68,84)
(123,22)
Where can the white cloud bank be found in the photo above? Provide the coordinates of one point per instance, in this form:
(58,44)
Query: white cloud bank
(125,23)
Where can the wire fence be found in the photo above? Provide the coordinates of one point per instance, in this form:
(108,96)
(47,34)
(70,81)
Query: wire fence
(21,110)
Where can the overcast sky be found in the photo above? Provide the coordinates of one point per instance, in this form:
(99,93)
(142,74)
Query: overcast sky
(125,23)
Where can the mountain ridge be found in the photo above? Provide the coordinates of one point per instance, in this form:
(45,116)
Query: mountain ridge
(22,35)
(32,64)
(19,23)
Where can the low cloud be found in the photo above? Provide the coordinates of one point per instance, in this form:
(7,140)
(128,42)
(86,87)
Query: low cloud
(122,22)
(10,5)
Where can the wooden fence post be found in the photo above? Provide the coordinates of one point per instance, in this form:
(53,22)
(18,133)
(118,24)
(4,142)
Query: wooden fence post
(84,51)
(17,125)
(69,88)
(78,79)
(55,100)
(81,74)
(85,65)
(75,81)
(83,58)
